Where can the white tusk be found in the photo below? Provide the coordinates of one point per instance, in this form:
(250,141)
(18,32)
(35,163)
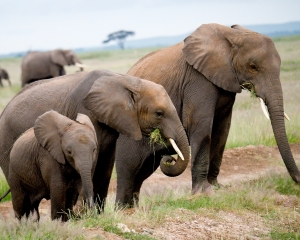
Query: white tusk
(174,145)
(80,65)
(263,106)
(286,116)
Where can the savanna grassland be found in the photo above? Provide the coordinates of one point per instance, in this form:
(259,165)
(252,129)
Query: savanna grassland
(266,206)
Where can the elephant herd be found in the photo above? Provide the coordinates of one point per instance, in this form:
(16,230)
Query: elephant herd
(60,138)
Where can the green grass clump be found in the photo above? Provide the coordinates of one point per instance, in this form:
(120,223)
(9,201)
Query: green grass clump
(156,138)
(4,187)
(250,87)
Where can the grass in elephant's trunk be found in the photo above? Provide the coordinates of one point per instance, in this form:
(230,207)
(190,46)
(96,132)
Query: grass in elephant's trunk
(250,87)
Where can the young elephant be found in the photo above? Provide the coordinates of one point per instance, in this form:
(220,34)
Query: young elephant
(53,160)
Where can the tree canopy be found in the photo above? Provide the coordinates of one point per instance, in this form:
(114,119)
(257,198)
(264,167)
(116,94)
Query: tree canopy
(119,36)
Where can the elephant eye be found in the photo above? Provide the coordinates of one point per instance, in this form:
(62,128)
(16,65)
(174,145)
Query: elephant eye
(253,67)
(159,113)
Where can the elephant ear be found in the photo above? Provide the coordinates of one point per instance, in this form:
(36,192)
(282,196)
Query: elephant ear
(48,129)
(58,57)
(85,120)
(210,49)
(112,99)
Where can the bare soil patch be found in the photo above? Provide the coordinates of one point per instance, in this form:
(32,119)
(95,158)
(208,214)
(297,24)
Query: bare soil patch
(239,164)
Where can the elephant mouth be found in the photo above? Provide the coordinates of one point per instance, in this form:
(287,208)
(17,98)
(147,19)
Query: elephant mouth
(249,87)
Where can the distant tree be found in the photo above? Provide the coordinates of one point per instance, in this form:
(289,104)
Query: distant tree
(119,36)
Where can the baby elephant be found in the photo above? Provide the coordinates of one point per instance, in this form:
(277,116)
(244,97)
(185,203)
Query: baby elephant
(53,160)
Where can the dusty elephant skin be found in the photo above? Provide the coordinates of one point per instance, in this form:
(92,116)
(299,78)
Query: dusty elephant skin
(53,160)
(4,75)
(115,104)
(44,65)
(202,75)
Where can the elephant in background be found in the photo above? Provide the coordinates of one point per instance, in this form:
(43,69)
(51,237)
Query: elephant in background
(202,76)
(115,103)
(4,75)
(44,65)
(52,160)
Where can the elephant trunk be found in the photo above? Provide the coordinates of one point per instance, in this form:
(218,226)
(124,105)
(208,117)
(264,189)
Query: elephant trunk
(173,167)
(87,186)
(275,108)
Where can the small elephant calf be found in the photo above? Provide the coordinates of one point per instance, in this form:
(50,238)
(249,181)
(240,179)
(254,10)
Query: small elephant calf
(53,160)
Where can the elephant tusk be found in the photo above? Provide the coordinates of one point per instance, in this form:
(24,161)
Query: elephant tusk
(263,106)
(286,116)
(80,65)
(174,145)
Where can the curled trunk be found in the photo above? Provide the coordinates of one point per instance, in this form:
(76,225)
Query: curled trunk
(173,167)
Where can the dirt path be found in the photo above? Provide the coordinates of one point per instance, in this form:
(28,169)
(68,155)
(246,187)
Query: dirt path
(240,164)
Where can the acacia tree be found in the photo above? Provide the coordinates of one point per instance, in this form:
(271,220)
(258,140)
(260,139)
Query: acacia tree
(119,36)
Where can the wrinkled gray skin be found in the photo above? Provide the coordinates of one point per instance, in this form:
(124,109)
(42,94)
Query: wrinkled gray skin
(115,104)
(202,76)
(53,160)
(44,65)
(4,75)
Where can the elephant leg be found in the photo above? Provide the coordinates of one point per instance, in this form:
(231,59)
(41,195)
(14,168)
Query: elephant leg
(102,177)
(197,117)
(21,203)
(58,199)
(133,169)
(220,133)
(35,209)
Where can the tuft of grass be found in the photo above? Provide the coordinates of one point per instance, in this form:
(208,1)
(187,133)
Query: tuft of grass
(156,138)
(4,187)
(250,87)
(44,229)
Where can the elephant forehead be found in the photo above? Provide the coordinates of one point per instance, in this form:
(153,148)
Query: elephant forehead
(84,139)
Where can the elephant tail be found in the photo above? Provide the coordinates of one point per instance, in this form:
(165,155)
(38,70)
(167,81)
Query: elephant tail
(4,195)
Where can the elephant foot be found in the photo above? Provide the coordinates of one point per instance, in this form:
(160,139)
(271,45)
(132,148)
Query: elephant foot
(204,188)
(215,183)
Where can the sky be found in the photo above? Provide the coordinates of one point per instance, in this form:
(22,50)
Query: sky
(45,25)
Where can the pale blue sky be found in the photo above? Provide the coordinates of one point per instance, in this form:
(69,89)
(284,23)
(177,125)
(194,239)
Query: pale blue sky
(44,24)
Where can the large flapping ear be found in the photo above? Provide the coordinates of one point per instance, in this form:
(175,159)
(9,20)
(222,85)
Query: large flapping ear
(112,99)
(48,129)
(85,120)
(209,49)
(58,57)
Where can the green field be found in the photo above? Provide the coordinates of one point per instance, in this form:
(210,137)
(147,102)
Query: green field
(249,127)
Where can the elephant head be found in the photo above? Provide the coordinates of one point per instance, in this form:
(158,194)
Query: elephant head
(72,142)
(235,58)
(136,107)
(66,57)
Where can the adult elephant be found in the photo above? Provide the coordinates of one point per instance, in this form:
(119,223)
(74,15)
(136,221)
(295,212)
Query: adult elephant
(115,104)
(202,75)
(4,75)
(44,65)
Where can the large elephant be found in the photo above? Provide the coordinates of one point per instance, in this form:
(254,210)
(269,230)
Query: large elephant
(4,75)
(53,160)
(202,75)
(44,65)
(114,102)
